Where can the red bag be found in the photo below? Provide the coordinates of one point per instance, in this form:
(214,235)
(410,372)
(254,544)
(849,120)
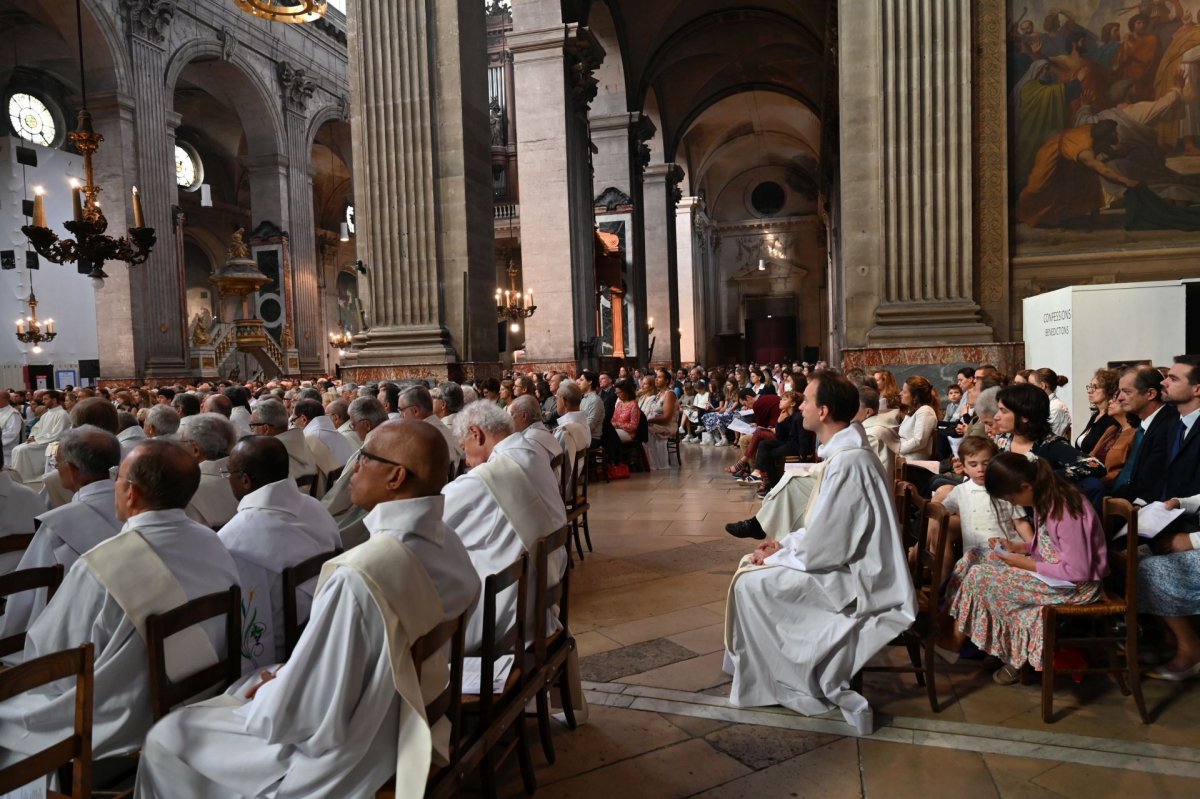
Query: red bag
(617,471)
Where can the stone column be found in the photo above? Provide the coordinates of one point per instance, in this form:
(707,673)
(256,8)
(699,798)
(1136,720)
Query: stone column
(552,68)
(423,200)
(928,290)
(160,322)
(641,131)
(689,259)
(297,89)
(661,193)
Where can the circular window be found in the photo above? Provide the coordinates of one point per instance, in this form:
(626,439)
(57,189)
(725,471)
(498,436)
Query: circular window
(189,169)
(768,198)
(32,119)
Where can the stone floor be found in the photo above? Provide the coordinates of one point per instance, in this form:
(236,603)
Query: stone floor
(647,609)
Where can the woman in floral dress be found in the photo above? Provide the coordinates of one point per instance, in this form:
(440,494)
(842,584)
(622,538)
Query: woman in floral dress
(994,597)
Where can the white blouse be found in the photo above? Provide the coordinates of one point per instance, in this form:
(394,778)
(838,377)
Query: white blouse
(917,434)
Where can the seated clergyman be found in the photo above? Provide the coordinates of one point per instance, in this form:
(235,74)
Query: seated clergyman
(344,713)
(210,437)
(160,560)
(806,613)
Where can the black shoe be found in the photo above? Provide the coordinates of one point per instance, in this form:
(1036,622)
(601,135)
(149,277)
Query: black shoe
(747,529)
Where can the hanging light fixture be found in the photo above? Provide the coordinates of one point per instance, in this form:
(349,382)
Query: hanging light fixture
(512,304)
(91,247)
(29,329)
(294,12)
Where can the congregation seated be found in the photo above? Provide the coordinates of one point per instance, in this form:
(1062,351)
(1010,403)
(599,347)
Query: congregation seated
(338,411)
(160,560)
(210,437)
(345,713)
(29,458)
(572,429)
(1102,397)
(186,404)
(918,430)
(415,402)
(89,411)
(129,432)
(626,413)
(20,505)
(839,583)
(86,455)
(270,418)
(330,449)
(366,414)
(1022,425)
(240,414)
(883,434)
(275,526)
(527,420)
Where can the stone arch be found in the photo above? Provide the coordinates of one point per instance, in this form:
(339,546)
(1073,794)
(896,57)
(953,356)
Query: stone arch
(614,95)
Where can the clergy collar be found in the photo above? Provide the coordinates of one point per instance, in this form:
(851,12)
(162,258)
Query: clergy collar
(420,516)
(514,441)
(538,425)
(157,517)
(850,438)
(94,489)
(282,496)
(320,423)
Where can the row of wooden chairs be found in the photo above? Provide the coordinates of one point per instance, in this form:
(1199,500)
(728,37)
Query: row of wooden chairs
(1112,619)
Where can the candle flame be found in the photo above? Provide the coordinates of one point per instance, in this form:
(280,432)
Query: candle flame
(74,183)
(135,191)
(38,190)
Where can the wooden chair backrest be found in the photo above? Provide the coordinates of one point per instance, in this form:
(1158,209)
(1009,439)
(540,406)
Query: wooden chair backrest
(1120,513)
(448,703)
(332,477)
(78,747)
(546,595)
(579,485)
(307,482)
(495,645)
(556,465)
(48,577)
(293,578)
(165,693)
(14,542)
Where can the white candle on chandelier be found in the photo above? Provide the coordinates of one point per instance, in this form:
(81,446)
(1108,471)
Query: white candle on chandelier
(49,325)
(20,326)
(39,207)
(138,220)
(531,298)
(76,200)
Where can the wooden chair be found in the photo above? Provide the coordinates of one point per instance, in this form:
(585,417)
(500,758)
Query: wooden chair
(556,467)
(307,483)
(634,452)
(166,693)
(498,714)
(14,542)
(293,578)
(915,516)
(1106,616)
(597,461)
(443,782)
(550,652)
(48,577)
(332,478)
(75,750)
(673,448)
(577,503)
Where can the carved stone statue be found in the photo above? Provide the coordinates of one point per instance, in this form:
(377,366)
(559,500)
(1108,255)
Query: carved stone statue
(200,325)
(288,340)
(238,249)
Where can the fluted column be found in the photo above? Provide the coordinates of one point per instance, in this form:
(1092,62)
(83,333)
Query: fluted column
(928,286)
(302,237)
(159,317)
(423,197)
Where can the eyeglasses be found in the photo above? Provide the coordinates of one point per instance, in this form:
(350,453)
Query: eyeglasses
(227,473)
(114,472)
(254,424)
(373,457)
(1093,387)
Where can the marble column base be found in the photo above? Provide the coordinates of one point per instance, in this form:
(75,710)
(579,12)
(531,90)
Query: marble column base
(400,346)
(457,372)
(1008,357)
(928,322)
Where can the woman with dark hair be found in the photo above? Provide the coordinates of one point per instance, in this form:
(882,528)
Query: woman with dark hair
(1022,424)
(1101,391)
(719,419)
(919,428)
(662,419)
(1060,416)
(546,399)
(995,597)
(1022,376)
(626,414)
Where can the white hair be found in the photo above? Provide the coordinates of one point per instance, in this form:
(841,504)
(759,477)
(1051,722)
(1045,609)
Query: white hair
(164,419)
(212,433)
(469,395)
(487,416)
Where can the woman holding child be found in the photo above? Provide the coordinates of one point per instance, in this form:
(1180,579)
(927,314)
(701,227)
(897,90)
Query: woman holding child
(995,596)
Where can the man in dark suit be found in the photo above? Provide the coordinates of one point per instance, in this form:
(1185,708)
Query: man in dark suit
(1140,393)
(1181,391)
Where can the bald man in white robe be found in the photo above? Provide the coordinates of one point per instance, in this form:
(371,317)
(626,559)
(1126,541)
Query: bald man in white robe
(330,722)
(527,420)
(158,546)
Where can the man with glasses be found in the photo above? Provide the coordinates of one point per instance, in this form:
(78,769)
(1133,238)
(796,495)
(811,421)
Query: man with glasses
(366,414)
(276,526)
(270,418)
(416,403)
(330,723)
(86,457)
(1140,393)
(330,449)
(158,561)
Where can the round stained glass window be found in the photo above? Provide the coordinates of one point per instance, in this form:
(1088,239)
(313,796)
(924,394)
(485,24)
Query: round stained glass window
(31,119)
(189,171)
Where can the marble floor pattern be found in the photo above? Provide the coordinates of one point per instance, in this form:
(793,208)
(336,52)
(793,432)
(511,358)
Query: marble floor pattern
(647,609)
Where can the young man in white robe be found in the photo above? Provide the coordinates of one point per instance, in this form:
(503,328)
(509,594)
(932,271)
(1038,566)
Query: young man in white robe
(276,526)
(86,455)
(29,459)
(12,427)
(270,418)
(330,721)
(159,546)
(210,437)
(366,414)
(805,614)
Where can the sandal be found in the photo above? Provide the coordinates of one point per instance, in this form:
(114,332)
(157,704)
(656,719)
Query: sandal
(1006,675)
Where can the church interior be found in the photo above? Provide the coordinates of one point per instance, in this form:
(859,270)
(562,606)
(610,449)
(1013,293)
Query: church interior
(333,216)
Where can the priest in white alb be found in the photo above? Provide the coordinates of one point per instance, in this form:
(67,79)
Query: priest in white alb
(343,715)
(572,429)
(415,402)
(210,437)
(12,427)
(20,505)
(366,414)
(159,561)
(129,432)
(276,526)
(330,448)
(29,459)
(86,455)
(270,418)
(527,420)
(806,613)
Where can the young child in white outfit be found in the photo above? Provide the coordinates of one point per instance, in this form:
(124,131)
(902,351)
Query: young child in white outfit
(981,517)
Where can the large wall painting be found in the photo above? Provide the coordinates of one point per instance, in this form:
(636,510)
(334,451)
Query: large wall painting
(1104,115)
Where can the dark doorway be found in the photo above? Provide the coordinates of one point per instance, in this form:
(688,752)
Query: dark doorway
(771,340)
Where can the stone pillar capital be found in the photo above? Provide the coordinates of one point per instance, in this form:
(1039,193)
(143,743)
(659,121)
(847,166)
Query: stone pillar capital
(270,162)
(612,122)
(149,19)
(112,103)
(296,86)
